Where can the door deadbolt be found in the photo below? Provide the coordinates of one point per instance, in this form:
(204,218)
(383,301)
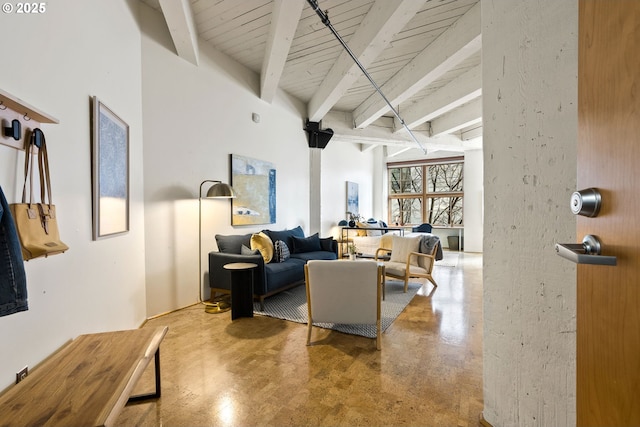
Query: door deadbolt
(586,202)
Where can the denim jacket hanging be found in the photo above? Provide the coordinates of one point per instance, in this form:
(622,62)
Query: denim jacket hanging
(13,281)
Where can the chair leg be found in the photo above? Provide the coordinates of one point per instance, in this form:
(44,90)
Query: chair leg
(432,281)
(309,326)
(406,285)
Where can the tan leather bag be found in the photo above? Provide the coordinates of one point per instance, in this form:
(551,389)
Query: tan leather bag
(37,223)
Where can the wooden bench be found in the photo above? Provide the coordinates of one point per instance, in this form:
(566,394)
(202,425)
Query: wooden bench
(86,383)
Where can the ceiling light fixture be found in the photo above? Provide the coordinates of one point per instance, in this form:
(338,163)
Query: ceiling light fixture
(324,17)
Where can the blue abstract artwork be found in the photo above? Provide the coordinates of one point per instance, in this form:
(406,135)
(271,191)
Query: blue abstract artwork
(254,182)
(352,197)
(110,167)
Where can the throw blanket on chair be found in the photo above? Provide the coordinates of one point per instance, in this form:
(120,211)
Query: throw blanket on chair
(428,242)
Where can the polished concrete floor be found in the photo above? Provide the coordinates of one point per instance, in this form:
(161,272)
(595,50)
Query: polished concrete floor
(259,372)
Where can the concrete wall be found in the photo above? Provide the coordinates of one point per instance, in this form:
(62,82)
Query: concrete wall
(58,60)
(529,76)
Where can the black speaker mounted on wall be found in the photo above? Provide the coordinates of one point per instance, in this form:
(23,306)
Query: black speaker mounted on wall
(318,138)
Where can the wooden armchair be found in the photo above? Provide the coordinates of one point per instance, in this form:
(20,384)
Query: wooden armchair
(346,292)
(407,261)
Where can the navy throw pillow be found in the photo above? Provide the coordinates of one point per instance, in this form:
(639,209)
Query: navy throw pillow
(306,244)
(326,244)
(285,235)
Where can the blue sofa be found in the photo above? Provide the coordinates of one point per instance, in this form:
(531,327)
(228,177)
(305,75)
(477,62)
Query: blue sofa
(273,277)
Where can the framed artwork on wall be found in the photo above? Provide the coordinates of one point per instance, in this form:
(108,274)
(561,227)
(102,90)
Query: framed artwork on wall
(254,182)
(352,197)
(109,172)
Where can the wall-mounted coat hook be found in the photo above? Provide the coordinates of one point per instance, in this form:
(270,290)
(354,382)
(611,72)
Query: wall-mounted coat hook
(38,136)
(14,131)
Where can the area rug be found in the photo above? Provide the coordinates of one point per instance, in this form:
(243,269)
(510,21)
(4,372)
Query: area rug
(449,259)
(292,305)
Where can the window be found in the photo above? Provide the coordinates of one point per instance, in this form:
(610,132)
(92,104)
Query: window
(428,191)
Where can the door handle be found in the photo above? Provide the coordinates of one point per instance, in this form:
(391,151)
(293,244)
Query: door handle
(586,253)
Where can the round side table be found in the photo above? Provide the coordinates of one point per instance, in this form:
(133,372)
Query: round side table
(241,288)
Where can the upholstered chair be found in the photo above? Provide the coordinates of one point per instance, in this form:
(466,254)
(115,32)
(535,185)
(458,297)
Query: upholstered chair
(346,292)
(406,260)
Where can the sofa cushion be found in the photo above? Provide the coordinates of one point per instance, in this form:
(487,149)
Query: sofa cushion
(306,244)
(308,256)
(263,243)
(326,244)
(399,268)
(386,241)
(244,250)
(281,251)
(279,274)
(232,244)
(403,246)
(285,235)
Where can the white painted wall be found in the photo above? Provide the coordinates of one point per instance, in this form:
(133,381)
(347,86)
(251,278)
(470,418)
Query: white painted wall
(530,129)
(342,162)
(473,208)
(194,118)
(58,60)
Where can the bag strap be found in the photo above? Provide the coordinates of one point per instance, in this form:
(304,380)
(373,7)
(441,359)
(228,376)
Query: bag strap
(43,168)
(28,169)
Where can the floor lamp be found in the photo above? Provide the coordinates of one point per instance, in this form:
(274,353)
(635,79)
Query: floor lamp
(218,190)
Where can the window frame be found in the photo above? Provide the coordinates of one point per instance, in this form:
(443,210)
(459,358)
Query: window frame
(425,194)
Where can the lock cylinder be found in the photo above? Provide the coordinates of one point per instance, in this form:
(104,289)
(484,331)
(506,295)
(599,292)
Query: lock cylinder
(586,202)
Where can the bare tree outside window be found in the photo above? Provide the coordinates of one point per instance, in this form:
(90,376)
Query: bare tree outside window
(437,199)
(445,179)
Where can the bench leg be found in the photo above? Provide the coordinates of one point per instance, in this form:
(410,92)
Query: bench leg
(143,397)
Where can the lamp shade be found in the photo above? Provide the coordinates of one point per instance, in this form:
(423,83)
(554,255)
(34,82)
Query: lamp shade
(221,191)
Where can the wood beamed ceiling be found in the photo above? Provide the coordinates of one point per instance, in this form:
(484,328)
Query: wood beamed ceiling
(423,54)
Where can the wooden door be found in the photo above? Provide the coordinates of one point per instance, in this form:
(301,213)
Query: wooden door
(608,314)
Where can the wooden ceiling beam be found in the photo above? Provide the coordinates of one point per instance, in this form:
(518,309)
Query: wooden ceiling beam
(179,18)
(382,22)
(471,132)
(460,118)
(457,43)
(459,91)
(284,21)
(381,133)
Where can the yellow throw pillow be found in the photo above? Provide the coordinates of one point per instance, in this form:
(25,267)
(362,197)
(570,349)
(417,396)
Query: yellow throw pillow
(362,225)
(263,243)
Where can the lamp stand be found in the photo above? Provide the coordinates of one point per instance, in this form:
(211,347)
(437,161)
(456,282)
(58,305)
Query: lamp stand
(221,304)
